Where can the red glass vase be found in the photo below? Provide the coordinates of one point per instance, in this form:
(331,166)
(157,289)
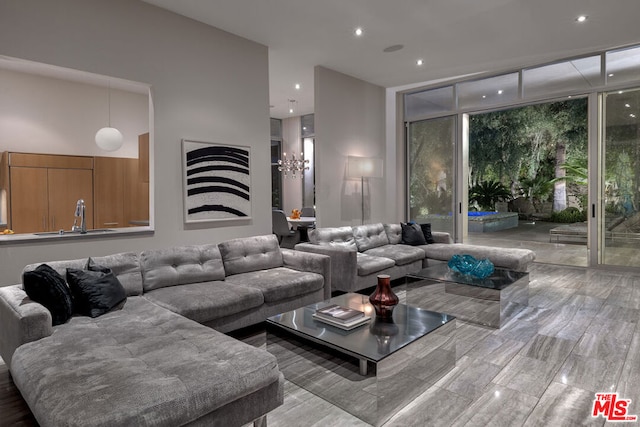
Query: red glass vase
(383,299)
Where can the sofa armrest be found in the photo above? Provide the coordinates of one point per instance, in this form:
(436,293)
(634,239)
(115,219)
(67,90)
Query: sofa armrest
(441,237)
(310,262)
(344,262)
(22,321)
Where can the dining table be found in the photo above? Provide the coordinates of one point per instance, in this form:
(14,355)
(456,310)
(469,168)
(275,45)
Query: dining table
(303,221)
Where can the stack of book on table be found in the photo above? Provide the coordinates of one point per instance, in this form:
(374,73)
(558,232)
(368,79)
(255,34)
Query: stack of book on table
(342,317)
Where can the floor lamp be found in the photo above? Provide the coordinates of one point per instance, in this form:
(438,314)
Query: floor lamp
(363,167)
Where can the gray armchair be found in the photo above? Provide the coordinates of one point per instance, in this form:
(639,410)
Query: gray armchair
(287,238)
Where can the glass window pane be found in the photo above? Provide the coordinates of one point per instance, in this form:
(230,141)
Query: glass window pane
(428,102)
(489,92)
(568,76)
(307,125)
(623,65)
(621,179)
(276,129)
(431,172)
(275,151)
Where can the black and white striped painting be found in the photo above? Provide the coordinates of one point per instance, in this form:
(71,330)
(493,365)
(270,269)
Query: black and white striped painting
(217,181)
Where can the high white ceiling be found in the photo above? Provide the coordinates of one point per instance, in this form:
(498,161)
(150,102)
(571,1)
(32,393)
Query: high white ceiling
(454,37)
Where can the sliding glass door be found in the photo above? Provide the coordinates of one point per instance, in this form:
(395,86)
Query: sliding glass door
(430,146)
(619,183)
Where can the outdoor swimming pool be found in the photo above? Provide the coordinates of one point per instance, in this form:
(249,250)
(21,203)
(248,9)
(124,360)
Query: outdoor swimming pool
(479,222)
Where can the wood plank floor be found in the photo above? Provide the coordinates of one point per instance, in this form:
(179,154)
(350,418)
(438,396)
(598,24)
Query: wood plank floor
(578,336)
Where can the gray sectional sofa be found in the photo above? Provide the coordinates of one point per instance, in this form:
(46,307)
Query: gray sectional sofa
(154,362)
(360,253)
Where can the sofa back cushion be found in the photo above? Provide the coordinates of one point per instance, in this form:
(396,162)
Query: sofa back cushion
(125,266)
(333,236)
(180,265)
(370,236)
(250,254)
(394,233)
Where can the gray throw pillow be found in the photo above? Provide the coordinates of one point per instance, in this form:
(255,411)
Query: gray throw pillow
(426,230)
(95,291)
(412,234)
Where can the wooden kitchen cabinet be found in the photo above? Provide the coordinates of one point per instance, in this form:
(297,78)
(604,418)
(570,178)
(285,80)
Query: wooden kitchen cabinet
(44,198)
(121,197)
(108,173)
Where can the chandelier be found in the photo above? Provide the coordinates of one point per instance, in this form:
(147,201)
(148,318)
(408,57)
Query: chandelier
(293,165)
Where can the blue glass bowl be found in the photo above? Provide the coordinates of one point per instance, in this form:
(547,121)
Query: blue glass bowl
(468,265)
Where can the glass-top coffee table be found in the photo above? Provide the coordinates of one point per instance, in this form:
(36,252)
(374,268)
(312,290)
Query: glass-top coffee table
(492,301)
(371,371)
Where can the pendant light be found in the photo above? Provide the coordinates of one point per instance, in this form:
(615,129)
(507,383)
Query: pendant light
(108,138)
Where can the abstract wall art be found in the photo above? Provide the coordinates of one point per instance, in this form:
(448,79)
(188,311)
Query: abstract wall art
(217,181)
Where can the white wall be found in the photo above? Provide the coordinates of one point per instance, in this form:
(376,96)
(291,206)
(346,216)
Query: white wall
(47,115)
(349,121)
(206,85)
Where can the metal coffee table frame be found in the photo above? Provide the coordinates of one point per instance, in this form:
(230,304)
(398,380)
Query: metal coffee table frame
(406,355)
(492,301)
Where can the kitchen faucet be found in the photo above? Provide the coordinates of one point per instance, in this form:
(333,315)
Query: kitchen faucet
(80,212)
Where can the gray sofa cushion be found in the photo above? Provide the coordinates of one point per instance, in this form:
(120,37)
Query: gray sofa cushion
(369,264)
(370,236)
(278,284)
(124,265)
(512,258)
(139,366)
(250,254)
(394,233)
(180,265)
(206,301)
(401,254)
(333,236)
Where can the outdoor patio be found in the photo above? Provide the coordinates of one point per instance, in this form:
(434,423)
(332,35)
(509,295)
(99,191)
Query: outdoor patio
(537,236)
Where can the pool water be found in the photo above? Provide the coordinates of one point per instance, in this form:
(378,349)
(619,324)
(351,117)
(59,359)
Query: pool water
(481,213)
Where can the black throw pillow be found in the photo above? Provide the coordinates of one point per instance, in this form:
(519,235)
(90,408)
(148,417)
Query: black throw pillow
(412,234)
(46,286)
(426,231)
(96,291)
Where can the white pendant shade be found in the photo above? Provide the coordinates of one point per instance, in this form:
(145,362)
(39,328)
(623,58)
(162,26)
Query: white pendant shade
(109,139)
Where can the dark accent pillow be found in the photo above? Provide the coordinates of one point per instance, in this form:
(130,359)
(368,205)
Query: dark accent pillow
(412,234)
(46,286)
(95,291)
(426,231)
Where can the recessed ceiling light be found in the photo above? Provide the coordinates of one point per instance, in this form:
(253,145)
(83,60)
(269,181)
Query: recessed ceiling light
(632,115)
(500,92)
(627,105)
(610,75)
(582,18)
(297,86)
(620,92)
(419,62)
(484,96)
(358,31)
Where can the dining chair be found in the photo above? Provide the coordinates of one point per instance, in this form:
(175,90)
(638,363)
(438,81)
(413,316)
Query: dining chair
(307,211)
(287,238)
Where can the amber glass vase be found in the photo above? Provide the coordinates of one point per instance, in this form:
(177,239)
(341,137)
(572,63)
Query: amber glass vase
(383,299)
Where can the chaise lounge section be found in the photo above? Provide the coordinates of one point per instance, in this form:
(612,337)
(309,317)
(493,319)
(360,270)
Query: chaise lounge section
(360,253)
(153,361)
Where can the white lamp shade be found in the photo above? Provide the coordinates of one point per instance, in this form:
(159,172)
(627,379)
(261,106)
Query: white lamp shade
(109,139)
(367,167)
